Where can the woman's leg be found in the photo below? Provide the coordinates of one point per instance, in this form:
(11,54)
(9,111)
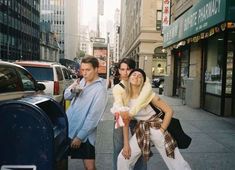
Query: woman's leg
(117,145)
(89,164)
(178,163)
(140,163)
(127,164)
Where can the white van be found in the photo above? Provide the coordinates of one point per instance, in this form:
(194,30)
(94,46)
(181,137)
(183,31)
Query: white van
(54,76)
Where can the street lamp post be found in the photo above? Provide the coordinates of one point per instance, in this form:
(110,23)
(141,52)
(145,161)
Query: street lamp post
(107,65)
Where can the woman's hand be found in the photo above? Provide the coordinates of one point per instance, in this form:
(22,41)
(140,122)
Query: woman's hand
(126,151)
(125,117)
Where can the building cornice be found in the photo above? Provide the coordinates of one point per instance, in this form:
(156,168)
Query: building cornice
(143,37)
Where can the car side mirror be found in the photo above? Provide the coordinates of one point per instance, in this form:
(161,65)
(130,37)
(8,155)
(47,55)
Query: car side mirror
(41,86)
(73,76)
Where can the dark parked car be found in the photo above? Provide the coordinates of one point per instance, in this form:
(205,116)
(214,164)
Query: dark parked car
(157,81)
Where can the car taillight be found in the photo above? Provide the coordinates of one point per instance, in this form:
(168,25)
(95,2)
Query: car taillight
(56,88)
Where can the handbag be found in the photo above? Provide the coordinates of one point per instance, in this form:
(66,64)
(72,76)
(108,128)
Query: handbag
(175,129)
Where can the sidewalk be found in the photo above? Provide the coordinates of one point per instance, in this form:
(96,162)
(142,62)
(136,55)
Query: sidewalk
(212,147)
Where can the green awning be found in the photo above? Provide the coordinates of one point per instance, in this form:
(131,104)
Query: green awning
(202,16)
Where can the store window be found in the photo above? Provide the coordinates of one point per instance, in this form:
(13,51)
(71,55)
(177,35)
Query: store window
(229,65)
(213,74)
(184,67)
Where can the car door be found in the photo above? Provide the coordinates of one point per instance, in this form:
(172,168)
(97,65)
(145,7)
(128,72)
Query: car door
(15,83)
(60,80)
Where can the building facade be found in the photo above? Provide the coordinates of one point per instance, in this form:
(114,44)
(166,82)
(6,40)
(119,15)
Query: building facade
(49,47)
(52,11)
(140,33)
(85,40)
(71,29)
(20,30)
(200,44)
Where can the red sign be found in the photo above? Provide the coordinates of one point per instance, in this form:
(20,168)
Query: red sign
(166,13)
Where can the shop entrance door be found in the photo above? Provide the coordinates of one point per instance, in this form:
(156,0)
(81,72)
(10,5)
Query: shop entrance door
(181,71)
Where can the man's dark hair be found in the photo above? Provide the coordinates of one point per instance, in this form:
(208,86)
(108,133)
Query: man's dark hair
(92,60)
(129,61)
(131,64)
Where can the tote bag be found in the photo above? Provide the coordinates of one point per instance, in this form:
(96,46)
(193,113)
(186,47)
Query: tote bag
(175,129)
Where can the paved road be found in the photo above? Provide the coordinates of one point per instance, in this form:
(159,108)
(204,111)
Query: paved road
(212,147)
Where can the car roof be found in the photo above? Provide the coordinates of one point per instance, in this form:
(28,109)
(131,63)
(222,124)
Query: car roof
(5,63)
(37,63)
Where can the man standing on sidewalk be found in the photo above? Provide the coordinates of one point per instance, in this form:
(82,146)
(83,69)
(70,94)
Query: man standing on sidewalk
(88,101)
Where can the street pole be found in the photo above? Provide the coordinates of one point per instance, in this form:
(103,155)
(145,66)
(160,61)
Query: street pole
(98,20)
(107,64)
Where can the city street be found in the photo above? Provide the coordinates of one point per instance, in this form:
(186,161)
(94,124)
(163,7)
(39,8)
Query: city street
(212,146)
(185,47)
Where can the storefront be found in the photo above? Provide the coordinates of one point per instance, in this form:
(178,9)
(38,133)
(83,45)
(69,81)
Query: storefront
(202,43)
(181,71)
(219,73)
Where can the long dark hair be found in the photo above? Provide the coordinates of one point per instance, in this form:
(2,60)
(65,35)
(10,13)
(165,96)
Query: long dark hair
(116,75)
(128,61)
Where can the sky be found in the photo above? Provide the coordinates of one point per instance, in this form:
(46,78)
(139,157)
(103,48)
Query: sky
(90,10)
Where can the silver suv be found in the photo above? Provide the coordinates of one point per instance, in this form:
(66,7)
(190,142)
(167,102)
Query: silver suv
(54,76)
(16,82)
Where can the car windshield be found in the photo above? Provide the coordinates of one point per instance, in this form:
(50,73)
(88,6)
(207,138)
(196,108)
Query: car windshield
(41,73)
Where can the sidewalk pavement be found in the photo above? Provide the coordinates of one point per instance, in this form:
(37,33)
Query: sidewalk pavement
(212,147)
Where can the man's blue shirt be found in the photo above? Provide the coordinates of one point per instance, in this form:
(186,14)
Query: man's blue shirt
(86,109)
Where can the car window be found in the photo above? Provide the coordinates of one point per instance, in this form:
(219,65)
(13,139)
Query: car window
(59,73)
(66,75)
(41,73)
(9,82)
(27,80)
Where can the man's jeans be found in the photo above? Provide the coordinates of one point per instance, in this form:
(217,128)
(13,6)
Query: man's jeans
(118,145)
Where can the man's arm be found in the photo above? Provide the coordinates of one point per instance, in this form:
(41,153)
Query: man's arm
(126,151)
(117,95)
(68,95)
(95,113)
(145,97)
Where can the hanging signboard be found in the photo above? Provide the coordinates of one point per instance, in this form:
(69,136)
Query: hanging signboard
(205,14)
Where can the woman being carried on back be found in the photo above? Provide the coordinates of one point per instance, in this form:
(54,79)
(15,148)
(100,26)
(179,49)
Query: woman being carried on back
(149,128)
(125,66)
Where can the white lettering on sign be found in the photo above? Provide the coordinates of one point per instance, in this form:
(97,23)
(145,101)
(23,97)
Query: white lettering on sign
(18,167)
(171,33)
(210,9)
(190,21)
(202,14)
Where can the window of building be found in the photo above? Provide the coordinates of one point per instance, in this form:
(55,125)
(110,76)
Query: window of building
(158,20)
(213,73)
(230,61)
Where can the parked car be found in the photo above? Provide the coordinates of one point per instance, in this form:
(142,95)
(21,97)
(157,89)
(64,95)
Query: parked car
(54,76)
(157,81)
(16,82)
